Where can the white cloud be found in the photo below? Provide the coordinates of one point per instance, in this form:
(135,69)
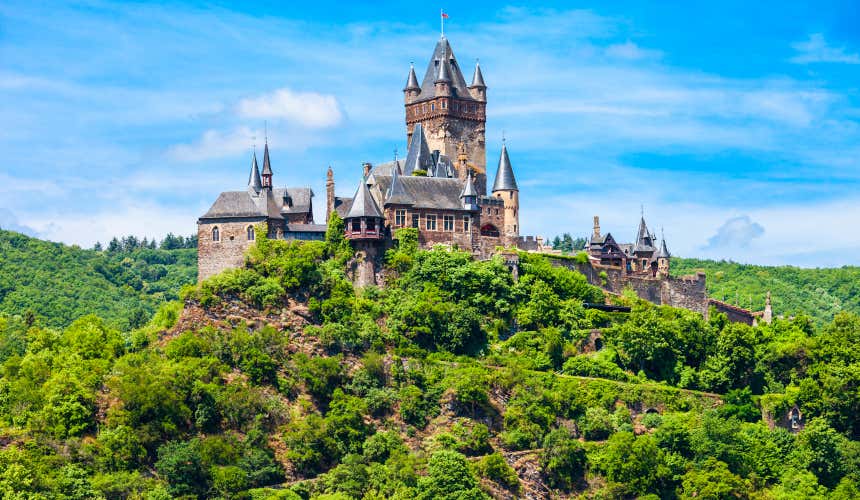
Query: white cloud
(214,144)
(631,52)
(737,232)
(9,221)
(305,108)
(817,50)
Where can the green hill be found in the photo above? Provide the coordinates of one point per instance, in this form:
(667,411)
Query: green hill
(282,380)
(59,283)
(819,293)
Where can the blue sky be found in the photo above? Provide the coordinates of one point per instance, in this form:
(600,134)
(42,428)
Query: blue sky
(736,126)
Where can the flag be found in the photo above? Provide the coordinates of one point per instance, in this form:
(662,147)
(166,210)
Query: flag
(444,15)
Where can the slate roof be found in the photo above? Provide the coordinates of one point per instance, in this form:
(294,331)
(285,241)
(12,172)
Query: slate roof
(505,174)
(396,193)
(267,165)
(254,182)
(300,196)
(306,228)
(363,204)
(412,80)
(426,192)
(342,205)
(478,77)
(244,204)
(644,238)
(418,156)
(443,54)
(469,187)
(662,252)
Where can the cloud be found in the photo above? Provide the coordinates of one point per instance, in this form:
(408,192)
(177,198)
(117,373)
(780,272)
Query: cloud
(214,144)
(817,50)
(305,108)
(737,232)
(631,52)
(9,222)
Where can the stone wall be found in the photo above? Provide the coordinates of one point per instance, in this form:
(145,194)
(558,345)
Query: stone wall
(214,257)
(735,314)
(445,132)
(687,292)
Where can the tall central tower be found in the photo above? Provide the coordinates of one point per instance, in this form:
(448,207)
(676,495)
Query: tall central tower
(450,111)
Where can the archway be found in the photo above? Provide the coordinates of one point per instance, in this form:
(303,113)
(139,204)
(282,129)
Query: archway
(489,230)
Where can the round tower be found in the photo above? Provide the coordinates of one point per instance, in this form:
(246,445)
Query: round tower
(505,188)
(412,89)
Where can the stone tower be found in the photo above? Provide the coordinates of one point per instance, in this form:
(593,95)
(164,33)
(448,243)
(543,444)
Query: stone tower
(329,193)
(449,110)
(505,188)
(662,255)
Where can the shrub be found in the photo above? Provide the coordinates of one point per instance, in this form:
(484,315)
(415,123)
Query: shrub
(495,467)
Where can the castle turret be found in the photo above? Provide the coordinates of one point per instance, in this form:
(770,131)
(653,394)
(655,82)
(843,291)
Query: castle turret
(267,168)
(364,221)
(412,89)
(505,188)
(442,84)
(478,88)
(662,256)
(469,195)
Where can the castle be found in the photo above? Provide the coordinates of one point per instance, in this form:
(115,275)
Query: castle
(439,188)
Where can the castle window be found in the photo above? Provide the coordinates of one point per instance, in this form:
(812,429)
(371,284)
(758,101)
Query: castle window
(400,217)
(497,211)
(432,106)
(371,225)
(511,195)
(430,222)
(415,219)
(448,222)
(250,232)
(356,226)
(467,223)
(444,104)
(216,234)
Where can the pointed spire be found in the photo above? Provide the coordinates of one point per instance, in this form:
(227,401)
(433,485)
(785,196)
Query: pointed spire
(363,204)
(662,252)
(412,80)
(469,187)
(418,155)
(397,194)
(443,75)
(644,239)
(478,78)
(267,167)
(505,180)
(254,182)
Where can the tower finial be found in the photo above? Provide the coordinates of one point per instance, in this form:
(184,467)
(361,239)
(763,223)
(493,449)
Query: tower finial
(503,136)
(266,131)
(442,17)
(395,154)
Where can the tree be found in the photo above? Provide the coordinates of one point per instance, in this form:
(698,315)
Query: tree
(563,459)
(180,463)
(712,480)
(449,477)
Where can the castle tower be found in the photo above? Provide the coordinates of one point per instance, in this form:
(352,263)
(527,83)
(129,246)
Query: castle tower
(449,110)
(596,228)
(505,188)
(329,193)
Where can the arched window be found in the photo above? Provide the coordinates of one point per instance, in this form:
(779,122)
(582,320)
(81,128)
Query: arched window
(216,235)
(250,231)
(489,230)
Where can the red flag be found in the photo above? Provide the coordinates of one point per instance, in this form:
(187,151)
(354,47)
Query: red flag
(444,16)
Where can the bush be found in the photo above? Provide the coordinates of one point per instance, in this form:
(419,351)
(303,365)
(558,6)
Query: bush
(495,467)
(597,424)
(563,459)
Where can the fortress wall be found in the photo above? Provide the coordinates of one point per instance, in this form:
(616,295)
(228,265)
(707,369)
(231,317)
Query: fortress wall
(735,314)
(214,257)
(687,292)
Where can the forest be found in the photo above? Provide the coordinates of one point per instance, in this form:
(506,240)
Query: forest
(453,380)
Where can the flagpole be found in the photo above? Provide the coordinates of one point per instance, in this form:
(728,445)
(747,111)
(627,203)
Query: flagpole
(442,21)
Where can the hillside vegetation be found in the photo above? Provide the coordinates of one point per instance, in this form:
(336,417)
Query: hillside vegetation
(124,285)
(281,380)
(819,293)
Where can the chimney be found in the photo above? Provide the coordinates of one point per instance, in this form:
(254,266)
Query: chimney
(596,226)
(767,317)
(329,192)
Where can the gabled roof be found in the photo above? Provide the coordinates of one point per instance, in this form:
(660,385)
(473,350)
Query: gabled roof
(426,192)
(254,182)
(396,194)
(505,174)
(363,204)
(300,197)
(443,53)
(418,156)
(239,204)
(478,77)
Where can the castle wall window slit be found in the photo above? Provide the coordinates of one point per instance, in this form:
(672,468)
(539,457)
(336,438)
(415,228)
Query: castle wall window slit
(216,234)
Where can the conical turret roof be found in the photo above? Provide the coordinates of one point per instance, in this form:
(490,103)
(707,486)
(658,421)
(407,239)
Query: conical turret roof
(644,239)
(469,187)
(478,78)
(267,166)
(662,252)
(254,182)
(363,204)
(505,180)
(412,80)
